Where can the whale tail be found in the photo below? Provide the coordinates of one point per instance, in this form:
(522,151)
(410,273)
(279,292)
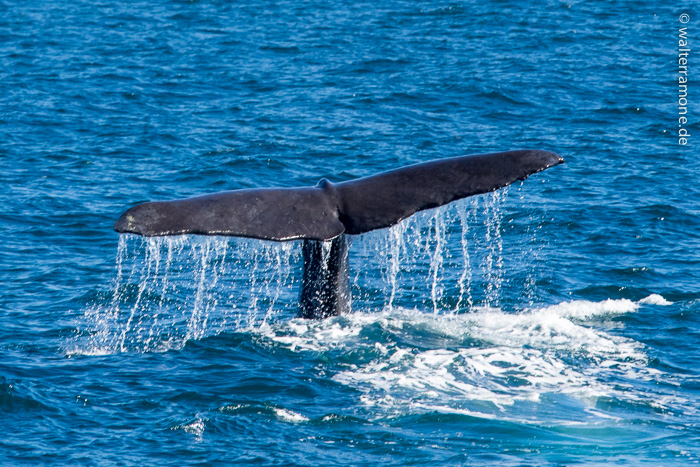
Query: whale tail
(320,215)
(327,210)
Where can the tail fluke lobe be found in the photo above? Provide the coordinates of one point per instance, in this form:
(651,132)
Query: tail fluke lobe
(383,200)
(270,214)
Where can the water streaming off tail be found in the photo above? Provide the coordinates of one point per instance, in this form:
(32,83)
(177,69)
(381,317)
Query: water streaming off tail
(450,259)
(168,290)
(171,289)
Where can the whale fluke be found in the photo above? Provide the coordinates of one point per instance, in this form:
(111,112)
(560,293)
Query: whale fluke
(320,215)
(327,210)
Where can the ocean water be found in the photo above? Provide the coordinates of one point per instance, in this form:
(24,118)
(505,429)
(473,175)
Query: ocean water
(556,322)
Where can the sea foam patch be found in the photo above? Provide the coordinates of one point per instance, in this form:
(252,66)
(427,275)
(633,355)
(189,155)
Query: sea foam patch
(655,299)
(488,363)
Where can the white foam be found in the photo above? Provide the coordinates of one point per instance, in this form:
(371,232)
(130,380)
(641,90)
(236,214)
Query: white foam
(289,416)
(584,309)
(655,299)
(489,363)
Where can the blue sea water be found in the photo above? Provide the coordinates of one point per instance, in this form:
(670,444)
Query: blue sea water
(553,323)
